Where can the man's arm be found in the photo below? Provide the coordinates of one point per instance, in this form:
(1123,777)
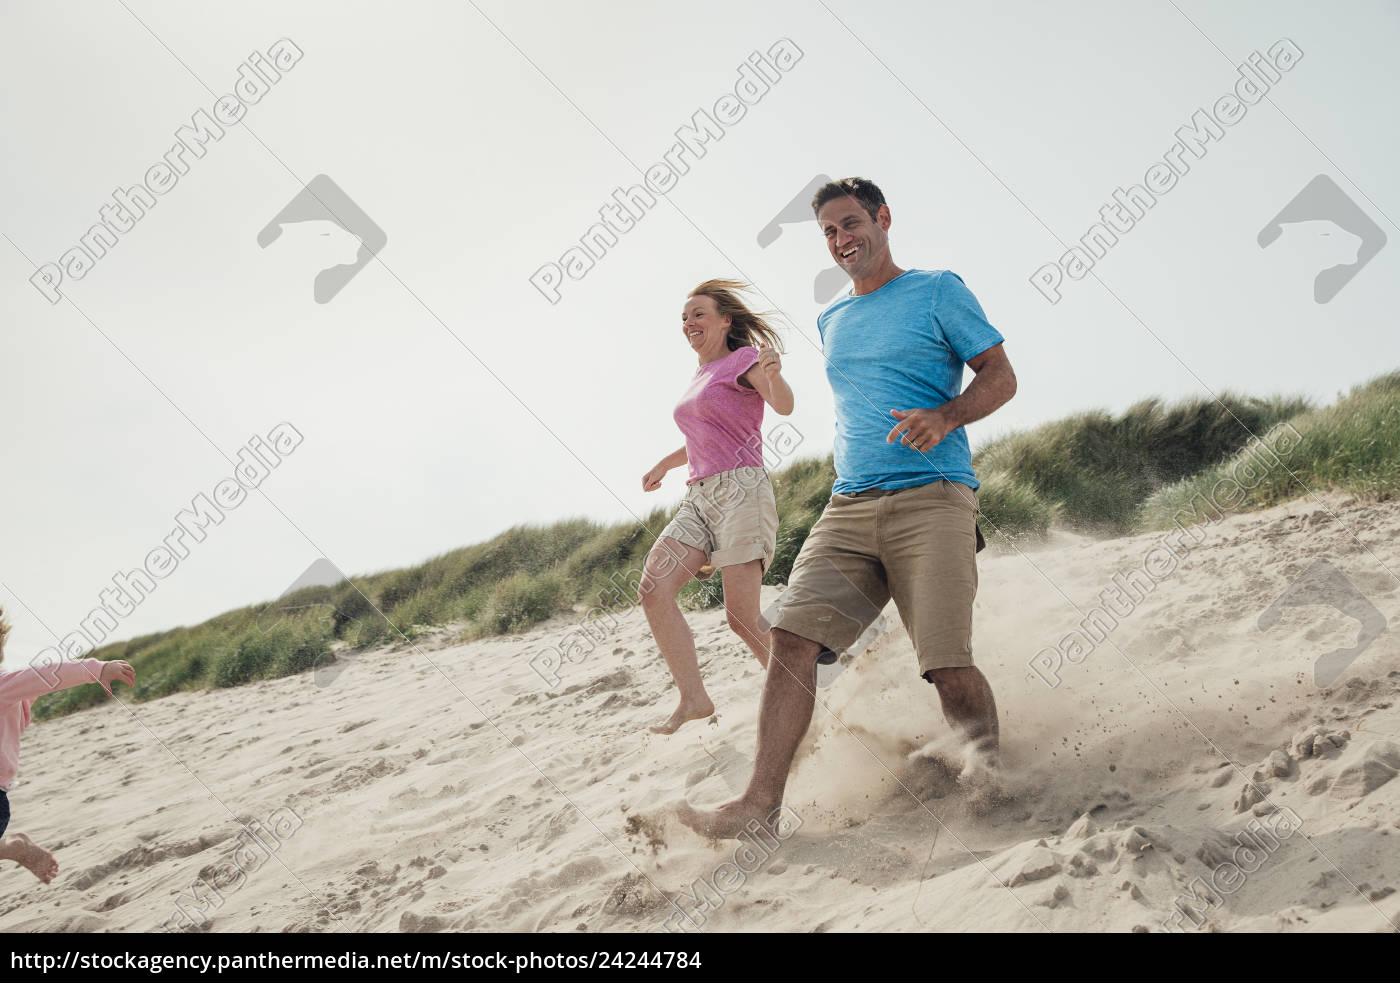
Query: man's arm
(992,387)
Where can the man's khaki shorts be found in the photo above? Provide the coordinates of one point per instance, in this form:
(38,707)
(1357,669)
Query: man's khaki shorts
(732,516)
(918,545)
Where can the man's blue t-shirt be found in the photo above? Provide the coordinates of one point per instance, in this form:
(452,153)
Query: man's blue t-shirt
(901,347)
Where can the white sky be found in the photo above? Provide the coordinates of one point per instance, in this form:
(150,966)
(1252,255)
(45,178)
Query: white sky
(479,171)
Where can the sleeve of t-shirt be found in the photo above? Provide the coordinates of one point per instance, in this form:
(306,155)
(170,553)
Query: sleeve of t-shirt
(958,315)
(743,359)
(27,685)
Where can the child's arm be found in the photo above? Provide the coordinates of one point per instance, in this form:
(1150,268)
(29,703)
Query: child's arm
(30,684)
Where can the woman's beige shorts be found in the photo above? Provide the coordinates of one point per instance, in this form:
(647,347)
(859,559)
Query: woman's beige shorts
(917,545)
(732,516)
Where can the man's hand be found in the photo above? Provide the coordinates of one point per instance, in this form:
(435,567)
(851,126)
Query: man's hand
(116,671)
(920,429)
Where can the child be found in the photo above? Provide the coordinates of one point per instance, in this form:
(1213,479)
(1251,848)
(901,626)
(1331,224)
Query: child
(18,691)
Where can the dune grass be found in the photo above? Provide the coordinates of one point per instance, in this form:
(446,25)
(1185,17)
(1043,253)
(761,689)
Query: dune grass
(1093,471)
(1351,446)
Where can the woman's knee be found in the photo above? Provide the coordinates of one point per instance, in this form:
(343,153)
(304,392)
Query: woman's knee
(746,624)
(653,591)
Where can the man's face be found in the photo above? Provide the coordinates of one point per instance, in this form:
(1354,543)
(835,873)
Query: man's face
(858,243)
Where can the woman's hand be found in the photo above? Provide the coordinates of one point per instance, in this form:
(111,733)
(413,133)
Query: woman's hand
(652,479)
(769,363)
(766,376)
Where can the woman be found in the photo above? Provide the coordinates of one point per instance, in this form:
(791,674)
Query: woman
(729,519)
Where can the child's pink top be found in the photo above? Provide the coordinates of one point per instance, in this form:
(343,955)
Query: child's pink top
(19,690)
(722,418)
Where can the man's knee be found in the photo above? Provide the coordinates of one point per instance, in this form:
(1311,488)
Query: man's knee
(954,676)
(794,650)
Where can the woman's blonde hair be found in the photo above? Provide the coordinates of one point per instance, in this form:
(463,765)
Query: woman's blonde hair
(4,631)
(746,328)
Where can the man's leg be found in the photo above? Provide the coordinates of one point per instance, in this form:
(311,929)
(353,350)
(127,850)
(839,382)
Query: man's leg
(785,713)
(931,554)
(970,708)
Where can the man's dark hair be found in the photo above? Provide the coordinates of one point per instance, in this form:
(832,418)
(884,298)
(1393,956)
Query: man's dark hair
(863,191)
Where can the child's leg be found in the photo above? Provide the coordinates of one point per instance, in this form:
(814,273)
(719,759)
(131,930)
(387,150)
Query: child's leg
(741,605)
(669,566)
(25,852)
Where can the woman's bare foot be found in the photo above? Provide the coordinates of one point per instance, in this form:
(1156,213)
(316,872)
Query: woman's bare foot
(25,852)
(685,713)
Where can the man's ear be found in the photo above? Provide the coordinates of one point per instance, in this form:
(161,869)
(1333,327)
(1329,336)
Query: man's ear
(883,218)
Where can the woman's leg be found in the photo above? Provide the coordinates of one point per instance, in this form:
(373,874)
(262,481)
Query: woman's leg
(741,605)
(669,566)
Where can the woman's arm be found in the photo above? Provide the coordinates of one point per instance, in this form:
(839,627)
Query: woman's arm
(766,377)
(652,479)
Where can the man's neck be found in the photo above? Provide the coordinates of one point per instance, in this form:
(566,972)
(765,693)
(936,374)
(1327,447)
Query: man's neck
(873,282)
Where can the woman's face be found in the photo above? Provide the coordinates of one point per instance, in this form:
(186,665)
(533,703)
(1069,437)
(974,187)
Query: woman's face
(705,330)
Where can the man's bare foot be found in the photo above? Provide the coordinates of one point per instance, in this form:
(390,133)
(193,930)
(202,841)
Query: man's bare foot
(983,781)
(684,713)
(25,852)
(979,769)
(726,822)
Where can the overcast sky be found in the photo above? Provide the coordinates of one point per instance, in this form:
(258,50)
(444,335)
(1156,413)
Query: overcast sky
(443,399)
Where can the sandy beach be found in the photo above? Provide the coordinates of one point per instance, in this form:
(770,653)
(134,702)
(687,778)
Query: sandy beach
(450,788)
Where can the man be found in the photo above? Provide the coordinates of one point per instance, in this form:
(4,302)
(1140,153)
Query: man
(901,522)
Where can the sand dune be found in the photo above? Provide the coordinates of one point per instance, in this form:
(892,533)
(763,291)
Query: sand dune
(451,789)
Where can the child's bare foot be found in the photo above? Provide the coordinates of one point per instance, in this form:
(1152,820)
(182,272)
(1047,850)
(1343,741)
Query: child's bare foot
(25,852)
(684,713)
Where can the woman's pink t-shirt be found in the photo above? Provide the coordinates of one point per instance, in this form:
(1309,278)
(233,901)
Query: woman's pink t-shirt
(722,418)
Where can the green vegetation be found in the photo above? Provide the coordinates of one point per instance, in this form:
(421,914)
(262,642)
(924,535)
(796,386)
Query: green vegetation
(1093,471)
(1351,446)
